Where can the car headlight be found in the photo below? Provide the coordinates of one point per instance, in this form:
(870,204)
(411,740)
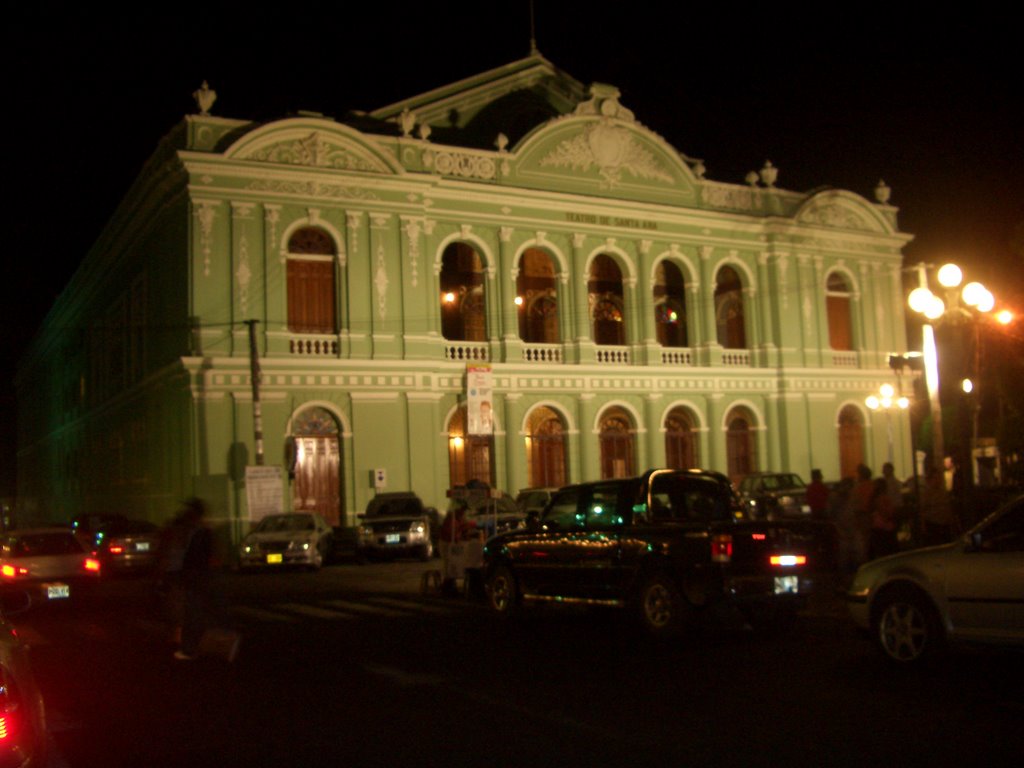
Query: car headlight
(786,500)
(246,549)
(417,527)
(366,530)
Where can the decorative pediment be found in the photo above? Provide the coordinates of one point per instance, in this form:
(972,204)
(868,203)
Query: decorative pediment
(837,209)
(604,151)
(312,143)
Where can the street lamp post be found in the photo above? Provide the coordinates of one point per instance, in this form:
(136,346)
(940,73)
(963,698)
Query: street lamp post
(960,308)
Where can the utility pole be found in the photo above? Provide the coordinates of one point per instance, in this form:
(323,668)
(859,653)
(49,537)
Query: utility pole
(254,371)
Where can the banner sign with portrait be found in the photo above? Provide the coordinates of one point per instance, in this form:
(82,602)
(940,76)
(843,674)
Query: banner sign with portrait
(479,400)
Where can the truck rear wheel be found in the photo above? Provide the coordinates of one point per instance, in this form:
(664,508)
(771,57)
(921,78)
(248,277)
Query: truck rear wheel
(661,607)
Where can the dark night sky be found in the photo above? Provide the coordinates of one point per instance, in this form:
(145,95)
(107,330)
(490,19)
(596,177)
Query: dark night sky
(935,107)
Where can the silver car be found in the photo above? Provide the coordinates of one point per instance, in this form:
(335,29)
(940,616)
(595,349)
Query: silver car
(971,589)
(297,538)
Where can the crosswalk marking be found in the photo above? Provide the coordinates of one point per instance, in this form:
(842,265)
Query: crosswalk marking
(365,608)
(260,613)
(314,611)
(419,607)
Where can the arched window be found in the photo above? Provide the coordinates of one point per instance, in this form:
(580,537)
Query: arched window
(469,456)
(851,441)
(606,303)
(317,457)
(310,276)
(740,444)
(681,449)
(463,306)
(618,444)
(729,320)
(537,299)
(670,305)
(545,449)
(837,306)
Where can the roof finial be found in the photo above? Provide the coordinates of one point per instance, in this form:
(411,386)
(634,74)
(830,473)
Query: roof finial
(533,32)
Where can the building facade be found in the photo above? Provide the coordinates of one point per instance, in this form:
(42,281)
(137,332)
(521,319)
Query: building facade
(628,312)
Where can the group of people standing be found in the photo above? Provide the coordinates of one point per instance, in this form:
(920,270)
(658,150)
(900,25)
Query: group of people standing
(868,512)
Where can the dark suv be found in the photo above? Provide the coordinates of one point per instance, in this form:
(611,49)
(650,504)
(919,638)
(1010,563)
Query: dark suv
(397,524)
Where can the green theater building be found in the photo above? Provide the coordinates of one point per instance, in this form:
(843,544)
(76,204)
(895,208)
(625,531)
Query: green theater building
(625,311)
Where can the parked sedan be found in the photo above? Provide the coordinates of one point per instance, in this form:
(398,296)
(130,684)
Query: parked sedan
(123,545)
(49,562)
(297,538)
(774,495)
(22,715)
(972,589)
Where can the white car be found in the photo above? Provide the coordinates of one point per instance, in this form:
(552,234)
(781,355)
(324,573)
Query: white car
(298,538)
(971,589)
(50,563)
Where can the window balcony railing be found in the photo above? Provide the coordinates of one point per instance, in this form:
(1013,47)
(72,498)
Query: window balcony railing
(676,357)
(467,351)
(613,355)
(844,359)
(739,358)
(313,346)
(542,353)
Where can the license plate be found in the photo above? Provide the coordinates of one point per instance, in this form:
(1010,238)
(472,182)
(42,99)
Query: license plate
(142,546)
(393,538)
(57,591)
(787,585)
(275,557)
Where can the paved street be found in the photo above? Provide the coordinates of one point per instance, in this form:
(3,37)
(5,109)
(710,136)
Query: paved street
(353,666)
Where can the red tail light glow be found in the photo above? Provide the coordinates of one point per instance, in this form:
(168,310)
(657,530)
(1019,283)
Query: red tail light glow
(13,571)
(92,565)
(5,729)
(758,536)
(721,548)
(116,549)
(788,561)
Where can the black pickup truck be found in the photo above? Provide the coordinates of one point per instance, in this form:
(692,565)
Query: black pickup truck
(669,544)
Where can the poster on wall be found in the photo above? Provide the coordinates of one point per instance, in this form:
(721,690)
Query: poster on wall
(479,399)
(264,491)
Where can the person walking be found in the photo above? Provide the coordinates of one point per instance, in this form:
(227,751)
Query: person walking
(196,541)
(882,538)
(817,496)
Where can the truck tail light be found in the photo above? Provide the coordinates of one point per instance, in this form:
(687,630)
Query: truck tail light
(721,548)
(92,565)
(13,571)
(788,561)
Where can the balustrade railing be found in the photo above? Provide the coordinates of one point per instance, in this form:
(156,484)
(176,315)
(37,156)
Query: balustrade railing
(313,346)
(613,355)
(466,351)
(542,353)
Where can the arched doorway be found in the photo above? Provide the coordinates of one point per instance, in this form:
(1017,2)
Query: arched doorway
(681,450)
(317,486)
(537,298)
(545,449)
(740,444)
(469,456)
(729,311)
(618,444)
(851,441)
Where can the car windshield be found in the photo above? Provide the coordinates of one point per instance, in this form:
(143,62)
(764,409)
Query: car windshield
(401,507)
(281,523)
(778,482)
(44,544)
